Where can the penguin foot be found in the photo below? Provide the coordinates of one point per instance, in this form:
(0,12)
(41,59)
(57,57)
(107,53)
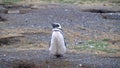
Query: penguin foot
(58,56)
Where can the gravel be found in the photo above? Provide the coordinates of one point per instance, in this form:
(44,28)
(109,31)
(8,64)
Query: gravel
(69,16)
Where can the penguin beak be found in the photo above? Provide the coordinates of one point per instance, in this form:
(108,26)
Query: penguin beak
(53,25)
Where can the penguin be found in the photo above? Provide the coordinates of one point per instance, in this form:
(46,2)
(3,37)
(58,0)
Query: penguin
(57,46)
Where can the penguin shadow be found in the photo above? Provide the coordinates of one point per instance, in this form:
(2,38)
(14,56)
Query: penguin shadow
(55,62)
(60,57)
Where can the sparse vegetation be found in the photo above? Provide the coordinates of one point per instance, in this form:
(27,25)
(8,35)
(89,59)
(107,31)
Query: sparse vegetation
(10,1)
(106,39)
(66,1)
(96,45)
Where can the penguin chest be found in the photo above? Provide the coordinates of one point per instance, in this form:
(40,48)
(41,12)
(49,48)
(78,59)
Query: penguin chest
(57,45)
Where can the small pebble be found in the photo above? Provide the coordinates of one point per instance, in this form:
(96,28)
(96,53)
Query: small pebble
(66,9)
(4,55)
(91,46)
(80,65)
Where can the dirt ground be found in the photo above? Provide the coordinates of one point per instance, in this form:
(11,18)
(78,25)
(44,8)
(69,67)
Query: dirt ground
(25,33)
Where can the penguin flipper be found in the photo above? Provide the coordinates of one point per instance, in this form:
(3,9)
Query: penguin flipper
(65,44)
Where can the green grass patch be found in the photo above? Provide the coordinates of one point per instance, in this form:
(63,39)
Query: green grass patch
(10,1)
(69,1)
(96,45)
(106,39)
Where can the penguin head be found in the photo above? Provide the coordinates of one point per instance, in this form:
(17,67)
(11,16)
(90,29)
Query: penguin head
(56,25)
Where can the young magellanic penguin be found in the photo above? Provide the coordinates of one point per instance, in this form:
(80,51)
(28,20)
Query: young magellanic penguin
(57,44)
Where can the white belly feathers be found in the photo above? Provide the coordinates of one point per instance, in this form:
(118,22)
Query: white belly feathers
(57,45)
